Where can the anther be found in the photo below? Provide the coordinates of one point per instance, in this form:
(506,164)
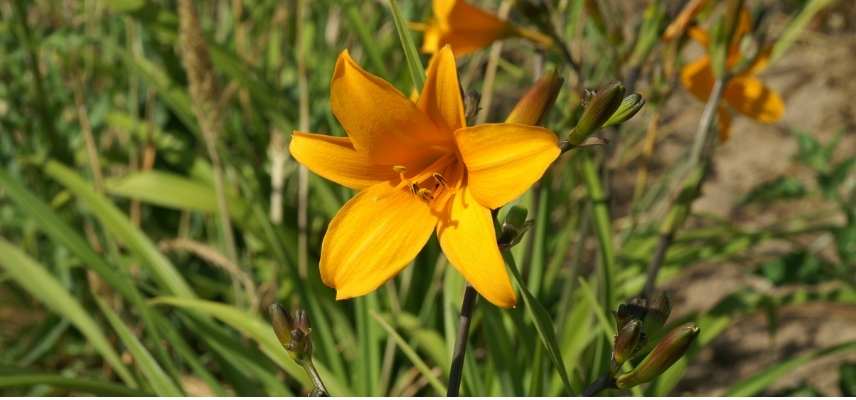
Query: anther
(425,194)
(440,179)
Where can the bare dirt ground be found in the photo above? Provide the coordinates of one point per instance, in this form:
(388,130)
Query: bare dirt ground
(816,81)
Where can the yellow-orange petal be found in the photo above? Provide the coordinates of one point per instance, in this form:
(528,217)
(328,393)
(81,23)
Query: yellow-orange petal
(441,95)
(750,97)
(381,122)
(335,158)
(699,35)
(467,28)
(679,25)
(723,117)
(697,78)
(431,37)
(374,236)
(468,240)
(504,160)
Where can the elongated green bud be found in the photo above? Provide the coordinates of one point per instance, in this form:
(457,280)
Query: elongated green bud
(671,348)
(292,332)
(627,342)
(659,308)
(532,107)
(599,110)
(514,227)
(629,106)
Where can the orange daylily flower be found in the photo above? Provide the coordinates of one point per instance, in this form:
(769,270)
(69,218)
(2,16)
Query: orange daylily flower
(467,28)
(744,93)
(679,25)
(418,169)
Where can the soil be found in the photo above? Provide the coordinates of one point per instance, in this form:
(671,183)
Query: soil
(815,79)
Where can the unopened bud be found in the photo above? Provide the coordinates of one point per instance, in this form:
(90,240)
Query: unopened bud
(292,332)
(514,227)
(671,348)
(627,342)
(599,110)
(659,308)
(634,309)
(629,106)
(532,107)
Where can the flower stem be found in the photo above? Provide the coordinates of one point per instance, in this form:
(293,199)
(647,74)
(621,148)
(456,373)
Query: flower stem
(318,390)
(456,371)
(703,132)
(697,156)
(603,382)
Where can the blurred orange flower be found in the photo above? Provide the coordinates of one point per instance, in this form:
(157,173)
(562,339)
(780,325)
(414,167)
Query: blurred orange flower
(744,92)
(418,169)
(467,28)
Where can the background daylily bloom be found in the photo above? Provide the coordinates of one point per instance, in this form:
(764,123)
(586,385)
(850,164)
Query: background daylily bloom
(467,28)
(744,92)
(418,169)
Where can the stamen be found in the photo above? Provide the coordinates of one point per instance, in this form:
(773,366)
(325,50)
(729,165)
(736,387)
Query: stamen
(425,194)
(440,179)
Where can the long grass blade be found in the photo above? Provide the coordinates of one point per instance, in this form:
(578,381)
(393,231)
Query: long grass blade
(34,278)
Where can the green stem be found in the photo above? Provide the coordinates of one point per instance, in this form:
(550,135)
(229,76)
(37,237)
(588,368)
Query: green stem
(318,390)
(602,226)
(697,156)
(456,371)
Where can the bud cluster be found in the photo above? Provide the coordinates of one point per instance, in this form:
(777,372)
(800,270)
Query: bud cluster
(637,321)
(293,332)
(607,107)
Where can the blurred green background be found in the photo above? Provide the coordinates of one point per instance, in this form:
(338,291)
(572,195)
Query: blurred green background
(116,277)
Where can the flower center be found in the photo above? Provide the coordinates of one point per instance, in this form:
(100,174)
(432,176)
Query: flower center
(430,182)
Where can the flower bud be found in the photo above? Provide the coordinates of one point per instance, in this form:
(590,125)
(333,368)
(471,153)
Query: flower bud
(629,106)
(627,342)
(292,332)
(532,107)
(671,348)
(634,309)
(514,227)
(659,308)
(599,110)
(680,23)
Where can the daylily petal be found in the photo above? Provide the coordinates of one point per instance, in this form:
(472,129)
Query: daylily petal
(381,122)
(504,160)
(760,62)
(336,159)
(467,237)
(441,96)
(699,35)
(750,97)
(697,77)
(467,28)
(679,24)
(723,117)
(374,236)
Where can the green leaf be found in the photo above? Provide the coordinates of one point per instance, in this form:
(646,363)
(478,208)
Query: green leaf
(783,187)
(411,355)
(755,384)
(261,332)
(36,280)
(75,385)
(157,378)
(119,225)
(166,190)
(543,324)
(411,54)
(847,379)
